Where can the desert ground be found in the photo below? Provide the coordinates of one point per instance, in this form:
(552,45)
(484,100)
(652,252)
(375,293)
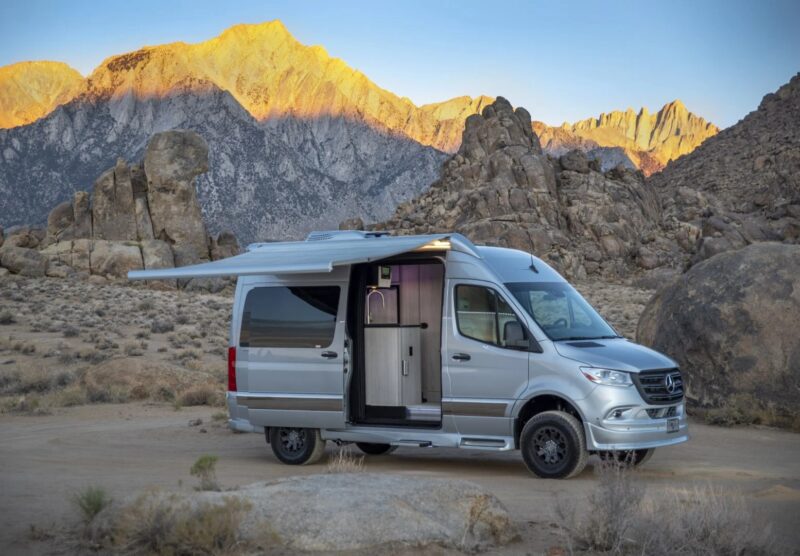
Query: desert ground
(130,447)
(121,387)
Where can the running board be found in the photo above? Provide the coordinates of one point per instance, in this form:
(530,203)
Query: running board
(486,443)
(414,443)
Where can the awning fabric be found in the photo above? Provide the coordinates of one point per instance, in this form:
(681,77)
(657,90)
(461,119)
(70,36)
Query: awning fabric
(296,257)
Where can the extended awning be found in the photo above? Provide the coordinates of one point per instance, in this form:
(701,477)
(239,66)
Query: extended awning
(300,257)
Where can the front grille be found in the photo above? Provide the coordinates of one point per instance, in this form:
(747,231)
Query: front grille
(662,412)
(652,386)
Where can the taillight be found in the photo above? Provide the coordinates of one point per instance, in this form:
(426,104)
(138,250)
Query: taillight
(231,369)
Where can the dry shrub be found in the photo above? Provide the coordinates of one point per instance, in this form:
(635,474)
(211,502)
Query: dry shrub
(93,356)
(345,461)
(68,397)
(157,525)
(90,502)
(7,317)
(205,469)
(201,394)
(133,349)
(160,326)
(33,379)
(70,331)
(619,519)
(702,520)
(613,508)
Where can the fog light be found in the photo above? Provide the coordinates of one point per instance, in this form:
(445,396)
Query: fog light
(617,413)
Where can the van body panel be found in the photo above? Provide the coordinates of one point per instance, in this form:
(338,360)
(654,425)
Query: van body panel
(618,354)
(549,375)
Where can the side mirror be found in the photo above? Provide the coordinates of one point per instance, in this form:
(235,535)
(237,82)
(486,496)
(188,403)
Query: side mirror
(514,335)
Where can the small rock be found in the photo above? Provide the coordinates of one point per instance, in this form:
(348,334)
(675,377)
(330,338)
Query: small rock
(195,422)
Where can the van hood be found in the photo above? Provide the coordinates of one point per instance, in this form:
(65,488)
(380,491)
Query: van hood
(619,354)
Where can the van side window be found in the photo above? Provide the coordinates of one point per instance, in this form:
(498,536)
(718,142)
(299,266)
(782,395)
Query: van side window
(483,315)
(293,317)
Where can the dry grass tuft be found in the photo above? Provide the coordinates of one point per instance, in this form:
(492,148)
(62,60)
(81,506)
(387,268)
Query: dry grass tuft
(90,502)
(202,394)
(345,461)
(157,525)
(702,520)
(613,509)
(205,469)
(619,519)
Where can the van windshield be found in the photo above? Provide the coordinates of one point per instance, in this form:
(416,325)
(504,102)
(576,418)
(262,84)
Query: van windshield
(560,311)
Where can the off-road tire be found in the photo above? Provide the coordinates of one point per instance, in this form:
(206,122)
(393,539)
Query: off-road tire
(375,449)
(632,458)
(553,445)
(296,446)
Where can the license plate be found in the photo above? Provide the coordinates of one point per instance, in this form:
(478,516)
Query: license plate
(673,425)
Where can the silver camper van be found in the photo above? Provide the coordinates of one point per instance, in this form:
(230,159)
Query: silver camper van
(427,341)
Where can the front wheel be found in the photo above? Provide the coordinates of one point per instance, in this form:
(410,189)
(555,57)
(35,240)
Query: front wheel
(375,449)
(628,458)
(553,445)
(295,446)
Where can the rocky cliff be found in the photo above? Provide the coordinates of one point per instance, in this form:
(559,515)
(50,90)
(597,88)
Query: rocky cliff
(30,90)
(138,216)
(650,141)
(500,188)
(743,185)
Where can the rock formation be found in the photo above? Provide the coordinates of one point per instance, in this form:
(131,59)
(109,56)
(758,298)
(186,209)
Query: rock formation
(113,215)
(501,189)
(732,324)
(743,185)
(31,90)
(139,217)
(649,141)
(171,163)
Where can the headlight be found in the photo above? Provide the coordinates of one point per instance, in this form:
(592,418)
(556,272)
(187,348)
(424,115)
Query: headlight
(609,377)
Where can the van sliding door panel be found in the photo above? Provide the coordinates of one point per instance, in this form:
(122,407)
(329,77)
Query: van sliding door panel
(292,340)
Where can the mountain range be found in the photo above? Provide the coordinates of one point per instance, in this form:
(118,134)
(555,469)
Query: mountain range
(298,139)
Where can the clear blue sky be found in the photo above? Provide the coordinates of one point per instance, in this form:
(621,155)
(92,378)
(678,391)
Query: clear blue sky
(563,60)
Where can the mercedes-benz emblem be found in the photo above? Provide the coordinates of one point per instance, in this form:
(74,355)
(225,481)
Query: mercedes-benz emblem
(669,384)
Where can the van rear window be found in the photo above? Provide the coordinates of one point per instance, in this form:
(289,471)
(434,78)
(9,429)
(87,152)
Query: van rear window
(299,317)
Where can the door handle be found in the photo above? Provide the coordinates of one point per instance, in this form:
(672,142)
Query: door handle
(461,357)
(330,354)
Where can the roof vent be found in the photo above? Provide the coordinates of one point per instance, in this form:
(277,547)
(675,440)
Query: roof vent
(343,234)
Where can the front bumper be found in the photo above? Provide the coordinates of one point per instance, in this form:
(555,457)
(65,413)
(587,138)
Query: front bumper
(634,428)
(635,438)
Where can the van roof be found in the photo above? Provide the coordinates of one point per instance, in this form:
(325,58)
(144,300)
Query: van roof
(319,253)
(513,265)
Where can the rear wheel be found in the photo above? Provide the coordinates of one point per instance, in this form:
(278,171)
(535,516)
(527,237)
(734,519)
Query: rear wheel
(375,449)
(296,446)
(553,445)
(630,458)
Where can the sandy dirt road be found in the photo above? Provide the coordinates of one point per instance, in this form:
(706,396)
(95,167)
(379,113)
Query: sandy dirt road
(126,448)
